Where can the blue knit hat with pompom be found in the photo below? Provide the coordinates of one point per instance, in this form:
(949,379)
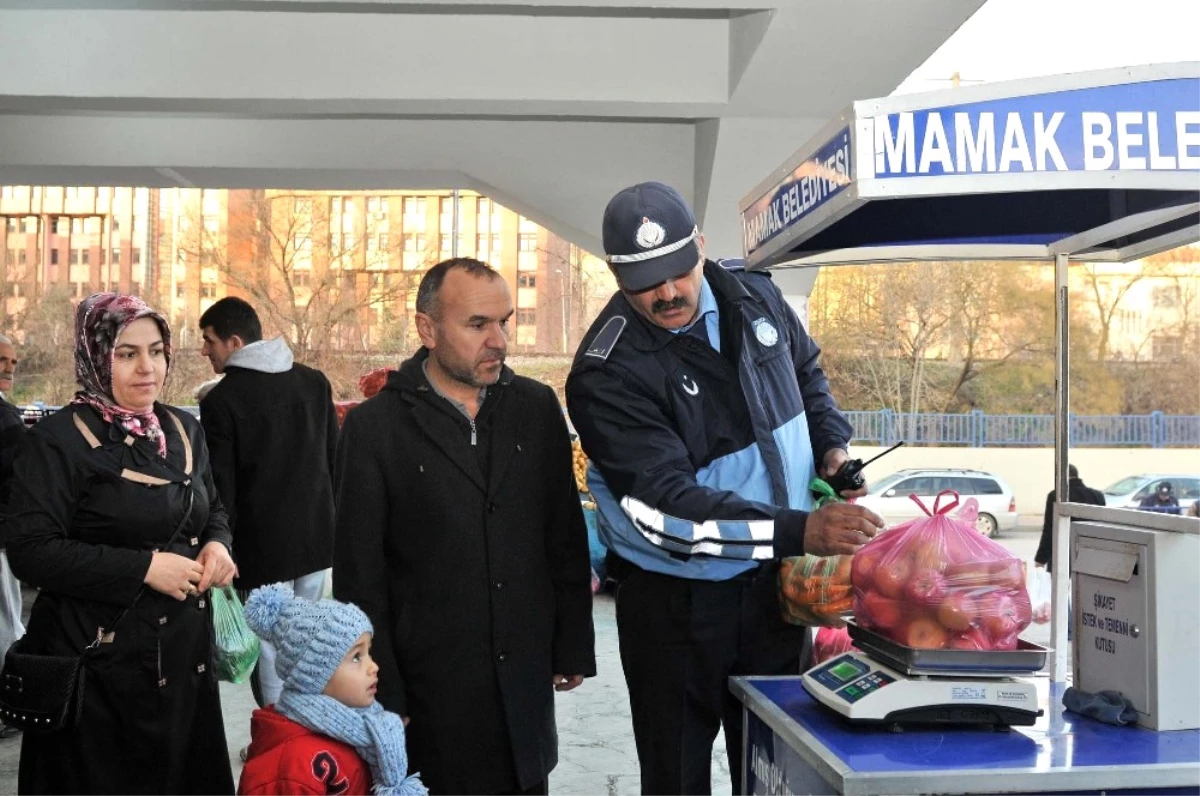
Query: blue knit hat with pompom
(310,638)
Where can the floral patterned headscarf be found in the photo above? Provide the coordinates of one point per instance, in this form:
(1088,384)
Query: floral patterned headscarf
(99,320)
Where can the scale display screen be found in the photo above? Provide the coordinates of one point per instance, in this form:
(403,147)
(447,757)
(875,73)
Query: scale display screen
(840,671)
(845,671)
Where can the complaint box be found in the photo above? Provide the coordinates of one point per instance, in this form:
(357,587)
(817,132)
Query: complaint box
(1136,617)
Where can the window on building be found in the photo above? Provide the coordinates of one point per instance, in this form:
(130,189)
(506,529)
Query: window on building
(54,256)
(6,192)
(116,225)
(526,280)
(414,206)
(526,317)
(20,256)
(211,202)
(208,290)
(1165,297)
(137,256)
(212,224)
(377,206)
(85,256)
(302,277)
(31,225)
(180,290)
(414,242)
(81,289)
(74,257)
(1167,348)
(91,225)
(76,226)
(527,241)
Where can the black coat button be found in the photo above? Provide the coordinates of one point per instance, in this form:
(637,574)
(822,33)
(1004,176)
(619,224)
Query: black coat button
(503,656)
(491,508)
(498,584)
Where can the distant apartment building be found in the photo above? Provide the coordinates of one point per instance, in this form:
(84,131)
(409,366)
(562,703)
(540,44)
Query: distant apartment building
(344,264)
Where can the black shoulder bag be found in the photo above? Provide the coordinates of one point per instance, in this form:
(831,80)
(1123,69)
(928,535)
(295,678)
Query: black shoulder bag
(44,693)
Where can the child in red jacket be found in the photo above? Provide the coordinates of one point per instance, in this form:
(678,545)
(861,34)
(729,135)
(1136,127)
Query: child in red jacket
(327,734)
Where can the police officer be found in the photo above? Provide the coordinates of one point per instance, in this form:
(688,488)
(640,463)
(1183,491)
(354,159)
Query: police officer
(698,398)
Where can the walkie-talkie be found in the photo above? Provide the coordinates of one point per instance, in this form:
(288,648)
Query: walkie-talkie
(849,475)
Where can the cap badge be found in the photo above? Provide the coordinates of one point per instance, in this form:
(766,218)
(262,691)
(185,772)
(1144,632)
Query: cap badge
(767,334)
(650,234)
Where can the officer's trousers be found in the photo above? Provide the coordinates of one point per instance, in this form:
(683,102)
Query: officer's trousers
(681,640)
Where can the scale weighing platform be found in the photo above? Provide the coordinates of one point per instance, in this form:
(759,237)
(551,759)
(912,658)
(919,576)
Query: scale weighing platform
(888,683)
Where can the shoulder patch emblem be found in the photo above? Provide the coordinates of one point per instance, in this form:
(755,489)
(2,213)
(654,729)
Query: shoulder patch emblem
(767,334)
(604,342)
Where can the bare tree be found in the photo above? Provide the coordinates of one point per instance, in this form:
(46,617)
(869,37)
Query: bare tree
(320,278)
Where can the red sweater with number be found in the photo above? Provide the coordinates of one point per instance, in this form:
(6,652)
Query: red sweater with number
(285,758)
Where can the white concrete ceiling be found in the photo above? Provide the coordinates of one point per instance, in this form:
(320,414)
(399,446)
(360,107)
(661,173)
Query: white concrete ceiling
(549,106)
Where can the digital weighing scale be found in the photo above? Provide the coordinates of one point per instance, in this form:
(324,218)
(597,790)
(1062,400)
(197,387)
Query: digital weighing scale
(888,683)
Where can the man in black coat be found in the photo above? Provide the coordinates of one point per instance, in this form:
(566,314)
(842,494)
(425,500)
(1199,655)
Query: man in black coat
(12,428)
(1077,492)
(272,434)
(460,534)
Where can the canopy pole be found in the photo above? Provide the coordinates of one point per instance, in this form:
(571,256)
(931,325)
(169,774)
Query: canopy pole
(1060,563)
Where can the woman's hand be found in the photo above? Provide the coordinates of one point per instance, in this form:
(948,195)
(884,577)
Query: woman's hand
(173,575)
(219,569)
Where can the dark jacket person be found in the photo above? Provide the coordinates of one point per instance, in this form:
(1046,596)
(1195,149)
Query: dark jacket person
(98,490)
(272,430)
(461,536)
(1077,492)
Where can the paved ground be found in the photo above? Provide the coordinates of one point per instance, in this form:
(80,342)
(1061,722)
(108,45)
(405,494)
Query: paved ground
(596,747)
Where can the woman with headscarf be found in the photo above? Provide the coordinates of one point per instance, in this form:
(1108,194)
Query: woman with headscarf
(99,490)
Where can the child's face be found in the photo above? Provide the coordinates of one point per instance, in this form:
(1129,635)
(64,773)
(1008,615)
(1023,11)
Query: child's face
(356,678)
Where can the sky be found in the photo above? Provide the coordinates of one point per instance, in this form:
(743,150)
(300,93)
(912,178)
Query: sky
(1010,39)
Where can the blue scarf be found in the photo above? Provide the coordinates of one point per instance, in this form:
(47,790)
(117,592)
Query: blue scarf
(376,734)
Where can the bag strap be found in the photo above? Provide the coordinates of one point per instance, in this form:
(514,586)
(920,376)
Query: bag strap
(187,515)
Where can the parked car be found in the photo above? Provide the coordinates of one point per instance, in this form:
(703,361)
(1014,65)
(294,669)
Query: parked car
(1129,491)
(888,497)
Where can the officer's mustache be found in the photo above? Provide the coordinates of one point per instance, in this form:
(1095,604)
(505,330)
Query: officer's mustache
(677,303)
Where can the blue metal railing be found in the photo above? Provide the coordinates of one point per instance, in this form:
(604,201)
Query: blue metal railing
(977,430)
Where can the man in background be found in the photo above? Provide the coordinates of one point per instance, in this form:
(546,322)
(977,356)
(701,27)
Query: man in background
(271,433)
(1163,501)
(12,428)
(1077,492)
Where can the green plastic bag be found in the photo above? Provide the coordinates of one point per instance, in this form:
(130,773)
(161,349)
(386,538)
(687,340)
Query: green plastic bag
(236,645)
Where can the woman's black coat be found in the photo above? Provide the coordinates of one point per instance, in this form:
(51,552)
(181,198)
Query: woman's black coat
(83,523)
(476,577)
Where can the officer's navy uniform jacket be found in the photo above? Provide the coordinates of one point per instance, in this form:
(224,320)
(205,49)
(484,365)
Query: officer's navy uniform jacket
(701,458)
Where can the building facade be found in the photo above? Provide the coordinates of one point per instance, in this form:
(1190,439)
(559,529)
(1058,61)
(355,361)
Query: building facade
(331,269)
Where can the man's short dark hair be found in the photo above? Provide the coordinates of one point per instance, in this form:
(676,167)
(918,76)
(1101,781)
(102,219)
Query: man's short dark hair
(431,283)
(1072,472)
(230,316)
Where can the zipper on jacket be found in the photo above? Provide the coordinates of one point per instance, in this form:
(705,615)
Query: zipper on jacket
(472,422)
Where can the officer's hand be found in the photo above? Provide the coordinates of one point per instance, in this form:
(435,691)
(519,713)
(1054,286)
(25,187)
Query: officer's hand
(565,682)
(834,458)
(839,529)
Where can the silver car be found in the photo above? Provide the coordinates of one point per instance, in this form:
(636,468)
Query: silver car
(889,497)
(1131,490)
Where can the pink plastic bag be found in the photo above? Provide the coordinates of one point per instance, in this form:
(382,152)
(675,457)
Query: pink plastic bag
(936,582)
(830,643)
